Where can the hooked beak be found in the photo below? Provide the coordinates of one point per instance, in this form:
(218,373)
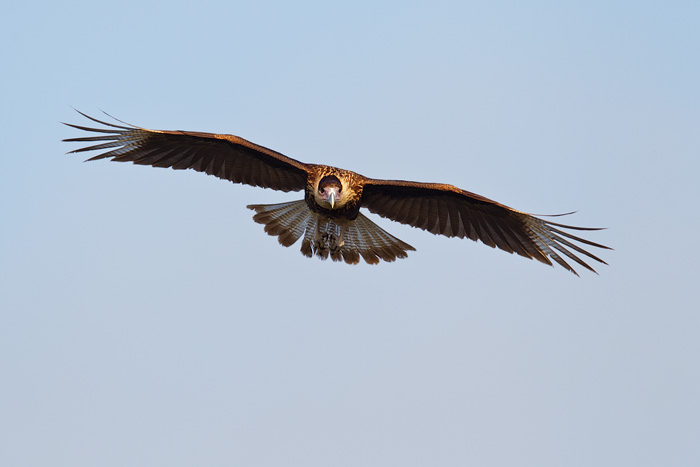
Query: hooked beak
(331,199)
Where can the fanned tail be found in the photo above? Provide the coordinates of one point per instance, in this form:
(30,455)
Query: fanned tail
(287,221)
(324,237)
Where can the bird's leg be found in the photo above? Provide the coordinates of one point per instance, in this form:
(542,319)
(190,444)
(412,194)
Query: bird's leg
(337,242)
(341,241)
(321,241)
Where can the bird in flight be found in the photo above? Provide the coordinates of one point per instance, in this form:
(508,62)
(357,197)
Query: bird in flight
(328,220)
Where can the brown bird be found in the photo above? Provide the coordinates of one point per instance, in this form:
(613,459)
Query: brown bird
(328,219)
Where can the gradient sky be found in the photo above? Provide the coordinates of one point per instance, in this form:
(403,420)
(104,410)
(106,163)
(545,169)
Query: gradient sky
(146,320)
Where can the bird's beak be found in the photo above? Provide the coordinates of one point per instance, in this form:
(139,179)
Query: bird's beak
(331,199)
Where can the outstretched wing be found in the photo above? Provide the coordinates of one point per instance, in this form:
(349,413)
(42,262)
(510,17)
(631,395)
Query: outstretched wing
(447,210)
(225,156)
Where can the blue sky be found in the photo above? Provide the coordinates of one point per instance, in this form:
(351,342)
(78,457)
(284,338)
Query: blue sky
(145,319)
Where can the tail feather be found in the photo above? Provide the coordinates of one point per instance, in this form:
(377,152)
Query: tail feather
(341,240)
(373,242)
(287,221)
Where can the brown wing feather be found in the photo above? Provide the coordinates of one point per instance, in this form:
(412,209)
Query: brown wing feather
(447,210)
(224,156)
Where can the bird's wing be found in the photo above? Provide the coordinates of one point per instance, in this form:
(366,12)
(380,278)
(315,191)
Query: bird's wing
(225,156)
(447,210)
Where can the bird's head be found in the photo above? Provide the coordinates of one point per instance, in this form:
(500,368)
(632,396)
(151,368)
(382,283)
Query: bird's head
(329,192)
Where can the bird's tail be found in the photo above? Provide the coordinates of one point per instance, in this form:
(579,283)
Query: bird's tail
(324,237)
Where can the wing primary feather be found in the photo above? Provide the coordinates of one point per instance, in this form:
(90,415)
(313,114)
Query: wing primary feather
(549,253)
(572,226)
(574,237)
(94,130)
(522,240)
(553,242)
(114,154)
(557,239)
(129,127)
(98,147)
(573,257)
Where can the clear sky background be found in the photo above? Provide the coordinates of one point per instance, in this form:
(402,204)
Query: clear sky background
(146,320)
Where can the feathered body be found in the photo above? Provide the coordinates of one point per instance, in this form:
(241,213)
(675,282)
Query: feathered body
(336,229)
(328,220)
